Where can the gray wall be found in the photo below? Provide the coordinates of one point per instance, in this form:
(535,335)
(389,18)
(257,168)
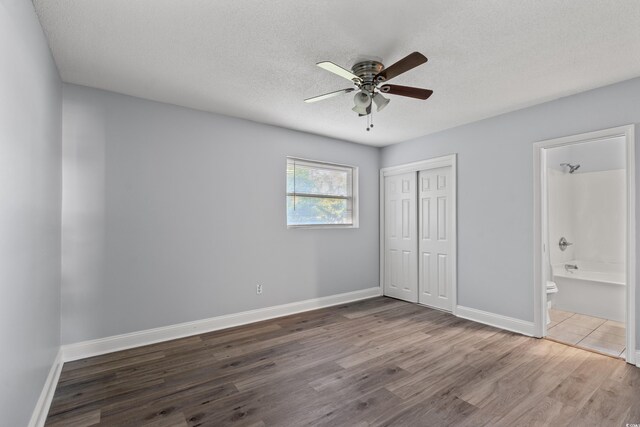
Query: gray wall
(495,188)
(30,186)
(173,215)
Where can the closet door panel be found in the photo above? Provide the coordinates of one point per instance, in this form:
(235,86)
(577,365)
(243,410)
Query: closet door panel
(401,239)
(434,246)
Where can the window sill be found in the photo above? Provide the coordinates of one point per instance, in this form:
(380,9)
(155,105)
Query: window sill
(323,226)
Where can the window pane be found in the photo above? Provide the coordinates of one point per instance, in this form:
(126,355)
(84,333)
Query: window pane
(314,180)
(314,211)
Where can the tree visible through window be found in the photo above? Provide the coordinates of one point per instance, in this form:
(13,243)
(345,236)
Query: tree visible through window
(320,194)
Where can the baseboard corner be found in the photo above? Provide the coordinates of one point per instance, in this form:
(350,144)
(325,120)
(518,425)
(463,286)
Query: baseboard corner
(41,410)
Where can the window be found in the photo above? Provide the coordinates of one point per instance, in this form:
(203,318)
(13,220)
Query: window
(321,194)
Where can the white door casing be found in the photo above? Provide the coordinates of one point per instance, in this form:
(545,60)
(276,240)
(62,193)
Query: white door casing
(435,234)
(400,237)
(540,269)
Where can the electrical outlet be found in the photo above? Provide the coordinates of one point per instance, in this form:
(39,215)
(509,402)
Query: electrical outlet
(258,289)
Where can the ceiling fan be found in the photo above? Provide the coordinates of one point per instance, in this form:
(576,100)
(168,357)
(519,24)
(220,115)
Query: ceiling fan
(369,79)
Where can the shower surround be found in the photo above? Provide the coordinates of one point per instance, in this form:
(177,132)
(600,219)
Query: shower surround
(588,209)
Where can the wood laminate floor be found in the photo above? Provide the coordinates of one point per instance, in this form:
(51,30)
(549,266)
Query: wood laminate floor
(376,362)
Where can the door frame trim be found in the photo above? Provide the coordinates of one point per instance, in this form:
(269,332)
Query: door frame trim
(427,164)
(540,227)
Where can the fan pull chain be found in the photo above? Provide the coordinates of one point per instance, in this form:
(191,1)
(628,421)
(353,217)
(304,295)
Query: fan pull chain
(370,120)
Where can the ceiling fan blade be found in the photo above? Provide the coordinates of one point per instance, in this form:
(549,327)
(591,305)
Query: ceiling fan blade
(411,92)
(405,64)
(329,95)
(342,72)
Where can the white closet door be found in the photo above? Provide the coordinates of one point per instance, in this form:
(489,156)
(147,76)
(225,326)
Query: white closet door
(435,230)
(400,244)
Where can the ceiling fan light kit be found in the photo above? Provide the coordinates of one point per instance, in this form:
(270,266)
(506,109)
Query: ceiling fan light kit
(380,101)
(362,101)
(369,79)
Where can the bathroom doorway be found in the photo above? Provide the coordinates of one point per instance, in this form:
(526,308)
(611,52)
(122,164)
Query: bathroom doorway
(584,251)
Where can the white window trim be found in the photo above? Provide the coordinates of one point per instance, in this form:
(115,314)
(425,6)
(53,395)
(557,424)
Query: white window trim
(355,223)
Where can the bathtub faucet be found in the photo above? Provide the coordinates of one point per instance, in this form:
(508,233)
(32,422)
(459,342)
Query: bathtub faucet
(569,267)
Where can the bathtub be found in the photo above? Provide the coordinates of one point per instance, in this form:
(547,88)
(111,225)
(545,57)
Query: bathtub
(595,289)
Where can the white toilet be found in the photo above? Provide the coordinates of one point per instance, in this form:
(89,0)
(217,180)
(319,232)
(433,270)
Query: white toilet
(552,288)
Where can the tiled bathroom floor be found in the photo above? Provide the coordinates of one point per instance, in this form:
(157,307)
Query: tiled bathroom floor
(605,336)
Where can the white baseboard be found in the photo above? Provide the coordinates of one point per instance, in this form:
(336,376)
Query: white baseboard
(40,412)
(100,346)
(499,321)
(638,358)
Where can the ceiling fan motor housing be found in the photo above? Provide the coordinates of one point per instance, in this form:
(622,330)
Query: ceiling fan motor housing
(367,71)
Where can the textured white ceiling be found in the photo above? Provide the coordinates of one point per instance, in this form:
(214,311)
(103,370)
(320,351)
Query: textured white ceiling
(256,59)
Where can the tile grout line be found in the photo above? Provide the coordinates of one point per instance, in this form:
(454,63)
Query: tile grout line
(625,345)
(585,346)
(606,333)
(596,328)
(557,323)
(585,337)
(589,334)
